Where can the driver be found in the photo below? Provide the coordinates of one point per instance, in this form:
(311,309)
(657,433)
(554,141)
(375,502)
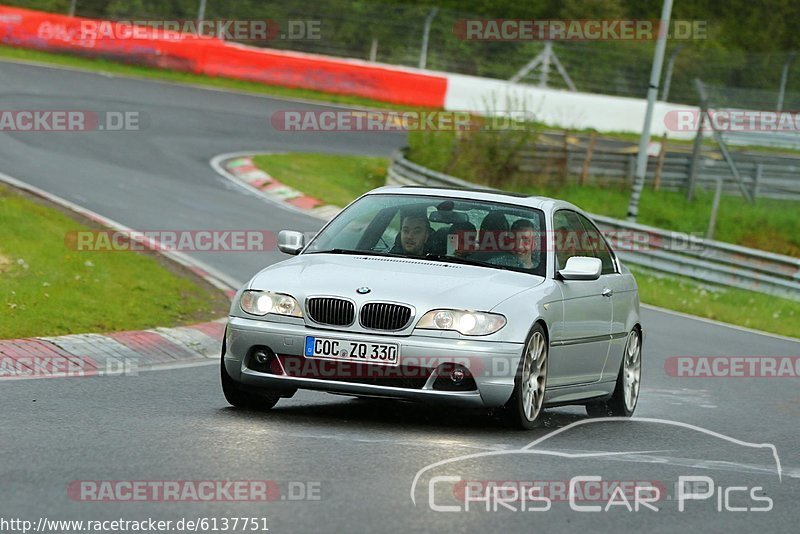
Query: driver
(414,233)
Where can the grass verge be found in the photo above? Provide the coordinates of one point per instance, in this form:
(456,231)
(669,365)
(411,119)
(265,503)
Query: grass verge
(339,179)
(335,179)
(729,305)
(46,289)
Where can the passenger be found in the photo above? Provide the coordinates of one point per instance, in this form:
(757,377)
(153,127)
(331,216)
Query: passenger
(462,239)
(494,232)
(524,242)
(414,233)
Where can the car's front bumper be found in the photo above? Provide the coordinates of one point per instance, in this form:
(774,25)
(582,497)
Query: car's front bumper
(492,364)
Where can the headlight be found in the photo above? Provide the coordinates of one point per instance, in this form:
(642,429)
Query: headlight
(468,323)
(264,302)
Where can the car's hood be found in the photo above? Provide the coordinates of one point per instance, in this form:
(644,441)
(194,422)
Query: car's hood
(420,283)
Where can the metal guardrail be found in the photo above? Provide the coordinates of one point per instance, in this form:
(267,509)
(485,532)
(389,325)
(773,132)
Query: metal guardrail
(772,176)
(660,250)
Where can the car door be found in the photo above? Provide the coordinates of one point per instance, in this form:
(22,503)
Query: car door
(581,349)
(623,297)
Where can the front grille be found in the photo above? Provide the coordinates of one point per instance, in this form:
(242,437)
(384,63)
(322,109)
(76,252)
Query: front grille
(332,311)
(385,316)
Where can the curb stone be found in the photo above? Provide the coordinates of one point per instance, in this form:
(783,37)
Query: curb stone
(240,169)
(116,354)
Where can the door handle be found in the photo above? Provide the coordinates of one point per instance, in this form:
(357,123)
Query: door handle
(607,292)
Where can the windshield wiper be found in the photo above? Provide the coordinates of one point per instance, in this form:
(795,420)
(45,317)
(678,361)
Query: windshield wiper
(354,252)
(463,261)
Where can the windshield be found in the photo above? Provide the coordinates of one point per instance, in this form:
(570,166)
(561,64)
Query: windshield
(455,230)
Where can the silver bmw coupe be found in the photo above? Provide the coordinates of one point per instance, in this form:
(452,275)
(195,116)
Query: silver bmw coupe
(467,297)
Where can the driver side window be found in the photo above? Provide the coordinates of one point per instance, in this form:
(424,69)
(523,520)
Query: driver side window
(568,232)
(601,249)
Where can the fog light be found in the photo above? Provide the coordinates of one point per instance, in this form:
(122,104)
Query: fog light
(457,375)
(261,356)
(453,377)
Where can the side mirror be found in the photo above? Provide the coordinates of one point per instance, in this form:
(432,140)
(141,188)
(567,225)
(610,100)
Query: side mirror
(290,242)
(581,268)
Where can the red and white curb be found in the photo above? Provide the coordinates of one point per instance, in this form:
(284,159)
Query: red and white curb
(121,352)
(117,354)
(239,168)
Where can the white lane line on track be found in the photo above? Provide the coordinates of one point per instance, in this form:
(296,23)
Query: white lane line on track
(426,443)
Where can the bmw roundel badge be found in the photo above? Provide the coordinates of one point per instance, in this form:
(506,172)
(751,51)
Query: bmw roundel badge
(363,290)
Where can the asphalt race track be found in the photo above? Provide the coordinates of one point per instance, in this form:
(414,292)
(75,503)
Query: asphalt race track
(353,460)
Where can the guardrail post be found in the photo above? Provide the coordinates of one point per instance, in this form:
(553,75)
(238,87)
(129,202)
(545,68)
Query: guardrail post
(757,178)
(587,160)
(660,164)
(631,173)
(712,220)
(565,147)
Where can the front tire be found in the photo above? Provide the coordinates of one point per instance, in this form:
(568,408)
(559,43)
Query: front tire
(524,409)
(626,393)
(240,398)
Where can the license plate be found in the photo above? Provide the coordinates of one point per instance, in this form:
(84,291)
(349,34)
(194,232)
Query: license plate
(352,351)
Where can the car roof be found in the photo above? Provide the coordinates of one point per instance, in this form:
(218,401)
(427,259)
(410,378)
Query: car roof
(545,204)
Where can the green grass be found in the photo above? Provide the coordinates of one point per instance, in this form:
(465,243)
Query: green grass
(152,73)
(343,178)
(333,179)
(48,289)
(729,305)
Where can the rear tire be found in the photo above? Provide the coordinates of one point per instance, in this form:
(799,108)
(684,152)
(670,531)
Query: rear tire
(524,408)
(243,399)
(626,393)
